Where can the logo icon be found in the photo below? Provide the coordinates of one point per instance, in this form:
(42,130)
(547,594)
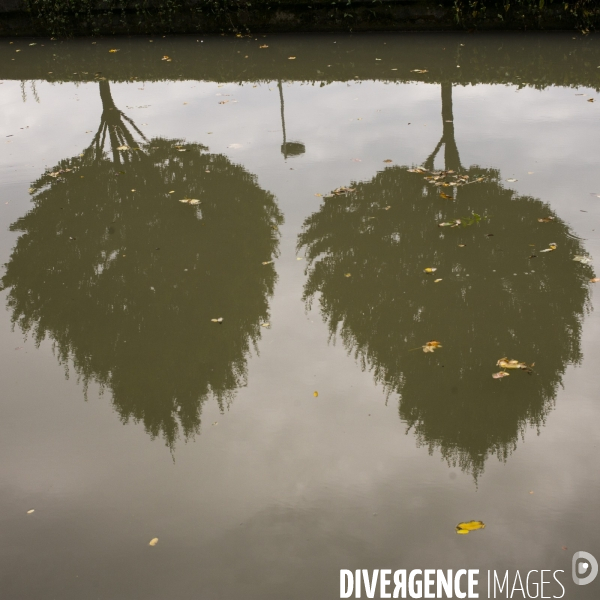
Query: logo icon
(585,568)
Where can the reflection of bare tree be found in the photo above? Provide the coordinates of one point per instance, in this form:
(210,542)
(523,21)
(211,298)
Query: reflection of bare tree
(367,251)
(125,279)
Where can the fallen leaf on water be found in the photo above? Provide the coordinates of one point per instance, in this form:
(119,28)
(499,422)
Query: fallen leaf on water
(219,320)
(446,196)
(500,375)
(193,201)
(263,46)
(436,280)
(464,528)
(215,423)
(461,245)
(431,346)
(234,146)
(171,191)
(586,260)
(551,248)
(454,223)
(591,100)
(224,102)
(267,262)
(31,511)
(153,542)
(347,274)
(299,257)
(387,207)
(123,148)
(315,394)
(430,269)
(512,180)
(546,220)
(291,58)
(165,57)
(319,195)
(266,325)
(113,50)
(505,363)
(388,160)
(595,280)
(419,71)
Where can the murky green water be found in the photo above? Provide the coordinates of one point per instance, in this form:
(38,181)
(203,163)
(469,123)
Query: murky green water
(306,432)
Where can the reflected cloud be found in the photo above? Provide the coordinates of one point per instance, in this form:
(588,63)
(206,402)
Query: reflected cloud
(125,279)
(498,295)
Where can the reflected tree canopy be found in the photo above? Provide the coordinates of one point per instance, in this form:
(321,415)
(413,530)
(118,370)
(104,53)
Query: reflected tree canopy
(125,279)
(367,251)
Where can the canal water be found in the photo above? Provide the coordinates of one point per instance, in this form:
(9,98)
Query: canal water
(254,294)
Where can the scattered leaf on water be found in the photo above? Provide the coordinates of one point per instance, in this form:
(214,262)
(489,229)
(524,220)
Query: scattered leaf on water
(315,394)
(431,346)
(430,269)
(347,274)
(215,423)
(192,201)
(219,320)
(500,375)
(436,280)
(464,528)
(123,148)
(234,146)
(505,363)
(31,511)
(263,46)
(461,245)
(319,195)
(586,260)
(551,247)
(546,220)
(299,257)
(113,50)
(165,57)
(512,180)
(388,160)
(446,196)
(267,262)
(419,71)
(266,325)
(153,542)
(595,280)
(224,102)
(591,100)
(291,58)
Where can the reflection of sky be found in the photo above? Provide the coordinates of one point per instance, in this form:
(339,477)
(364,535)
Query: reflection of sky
(324,464)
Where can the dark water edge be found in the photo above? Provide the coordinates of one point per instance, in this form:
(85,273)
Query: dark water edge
(109,18)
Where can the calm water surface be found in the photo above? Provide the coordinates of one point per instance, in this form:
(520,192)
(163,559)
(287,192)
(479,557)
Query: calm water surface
(307,432)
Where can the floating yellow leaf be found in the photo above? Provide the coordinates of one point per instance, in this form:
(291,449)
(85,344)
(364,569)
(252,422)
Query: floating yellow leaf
(165,57)
(419,71)
(461,245)
(464,528)
(546,220)
(30,511)
(267,262)
(319,195)
(505,363)
(430,270)
(595,280)
(153,542)
(388,160)
(266,325)
(299,257)
(436,280)
(315,394)
(219,320)
(291,58)
(500,375)
(263,46)
(431,346)
(113,50)
(551,247)
(446,196)
(347,274)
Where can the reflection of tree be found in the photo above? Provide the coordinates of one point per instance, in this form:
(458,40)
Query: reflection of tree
(493,301)
(125,279)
